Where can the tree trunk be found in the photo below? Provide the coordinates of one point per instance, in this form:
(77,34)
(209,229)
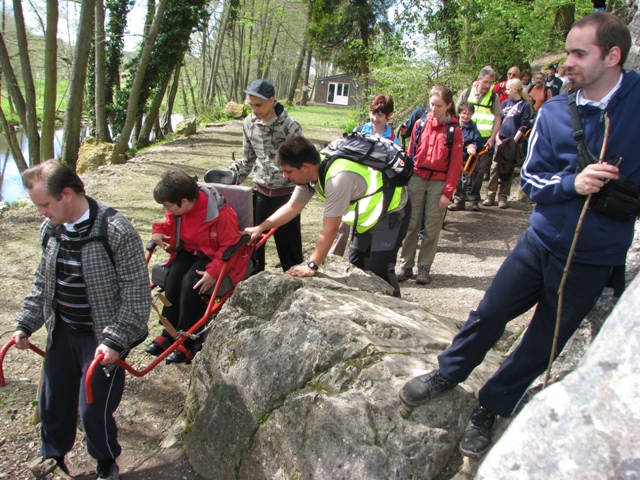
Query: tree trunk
(157,131)
(306,95)
(102,129)
(152,116)
(565,15)
(132,106)
(204,52)
(191,92)
(185,100)
(47,149)
(29,87)
(298,70)
(12,82)
(269,57)
(222,29)
(73,113)
(166,119)
(12,141)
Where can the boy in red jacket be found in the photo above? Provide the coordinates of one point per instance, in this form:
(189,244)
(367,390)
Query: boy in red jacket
(206,227)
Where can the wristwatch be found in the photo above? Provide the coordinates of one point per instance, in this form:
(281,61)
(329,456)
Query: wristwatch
(312,265)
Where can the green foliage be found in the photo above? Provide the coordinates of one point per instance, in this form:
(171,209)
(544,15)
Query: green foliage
(215,114)
(181,18)
(345,31)
(114,38)
(468,34)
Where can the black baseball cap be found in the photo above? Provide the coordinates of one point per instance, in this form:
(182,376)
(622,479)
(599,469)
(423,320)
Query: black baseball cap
(554,66)
(261,88)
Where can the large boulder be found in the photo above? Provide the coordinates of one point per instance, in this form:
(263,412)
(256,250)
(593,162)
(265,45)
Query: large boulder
(234,109)
(590,420)
(299,378)
(631,12)
(186,128)
(93,154)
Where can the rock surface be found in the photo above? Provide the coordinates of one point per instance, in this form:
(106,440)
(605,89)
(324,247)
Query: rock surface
(633,60)
(234,109)
(299,378)
(93,154)
(186,128)
(589,420)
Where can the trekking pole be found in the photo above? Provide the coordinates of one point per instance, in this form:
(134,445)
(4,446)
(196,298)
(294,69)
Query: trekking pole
(570,256)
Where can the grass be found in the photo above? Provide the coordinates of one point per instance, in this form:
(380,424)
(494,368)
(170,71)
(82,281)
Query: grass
(39,83)
(323,115)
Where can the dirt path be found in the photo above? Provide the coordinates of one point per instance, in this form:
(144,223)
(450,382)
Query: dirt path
(471,249)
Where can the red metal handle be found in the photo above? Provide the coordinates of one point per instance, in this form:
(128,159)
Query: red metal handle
(212,308)
(3,352)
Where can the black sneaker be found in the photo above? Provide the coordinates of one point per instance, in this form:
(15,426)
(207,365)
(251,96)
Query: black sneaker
(108,470)
(477,436)
(424,387)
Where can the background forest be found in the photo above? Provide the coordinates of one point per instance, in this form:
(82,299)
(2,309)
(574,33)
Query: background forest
(194,56)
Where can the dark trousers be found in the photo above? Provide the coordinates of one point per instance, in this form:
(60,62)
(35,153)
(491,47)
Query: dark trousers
(288,237)
(187,306)
(62,392)
(377,248)
(530,275)
(474,184)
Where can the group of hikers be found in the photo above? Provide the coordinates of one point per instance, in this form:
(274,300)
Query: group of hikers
(91,288)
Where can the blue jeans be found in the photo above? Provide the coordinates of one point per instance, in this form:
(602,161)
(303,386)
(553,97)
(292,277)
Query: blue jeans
(530,275)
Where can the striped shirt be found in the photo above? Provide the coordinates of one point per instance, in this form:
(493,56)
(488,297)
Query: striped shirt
(72,304)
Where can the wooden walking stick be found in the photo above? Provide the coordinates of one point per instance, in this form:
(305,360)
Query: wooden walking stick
(572,250)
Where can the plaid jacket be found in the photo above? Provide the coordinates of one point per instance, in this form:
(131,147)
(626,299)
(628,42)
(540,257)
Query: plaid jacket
(260,144)
(118,291)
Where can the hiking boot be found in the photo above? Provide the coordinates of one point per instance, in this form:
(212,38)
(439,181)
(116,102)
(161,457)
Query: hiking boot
(423,276)
(42,467)
(107,470)
(477,436)
(158,345)
(422,388)
(489,201)
(403,273)
(474,207)
(455,206)
(502,202)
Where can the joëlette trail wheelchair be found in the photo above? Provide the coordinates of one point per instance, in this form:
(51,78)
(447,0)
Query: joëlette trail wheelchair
(240,198)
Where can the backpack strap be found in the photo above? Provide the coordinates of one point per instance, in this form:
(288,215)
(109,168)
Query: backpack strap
(450,134)
(585,157)
(416,139)
(101,237)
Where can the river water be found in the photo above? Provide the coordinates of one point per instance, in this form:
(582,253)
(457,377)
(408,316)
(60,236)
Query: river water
(11,188)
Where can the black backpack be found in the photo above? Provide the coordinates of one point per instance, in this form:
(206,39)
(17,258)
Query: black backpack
(375,152)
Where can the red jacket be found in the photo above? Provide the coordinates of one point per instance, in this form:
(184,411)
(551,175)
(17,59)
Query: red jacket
(501,90)
(433,159)
(219,231)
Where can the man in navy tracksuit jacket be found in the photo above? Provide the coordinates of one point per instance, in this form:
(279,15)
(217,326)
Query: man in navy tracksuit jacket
(597,46)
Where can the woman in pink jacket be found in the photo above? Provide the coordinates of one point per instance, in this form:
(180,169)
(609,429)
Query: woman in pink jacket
(207,227)
(436,148)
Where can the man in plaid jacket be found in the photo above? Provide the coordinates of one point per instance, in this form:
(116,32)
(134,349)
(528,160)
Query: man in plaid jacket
(91,292)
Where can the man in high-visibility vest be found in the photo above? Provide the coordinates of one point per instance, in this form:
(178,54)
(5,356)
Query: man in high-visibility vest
(487,118)
(353,194)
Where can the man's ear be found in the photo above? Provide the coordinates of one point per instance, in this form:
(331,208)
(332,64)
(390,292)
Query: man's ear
(613,57)
(66,194)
